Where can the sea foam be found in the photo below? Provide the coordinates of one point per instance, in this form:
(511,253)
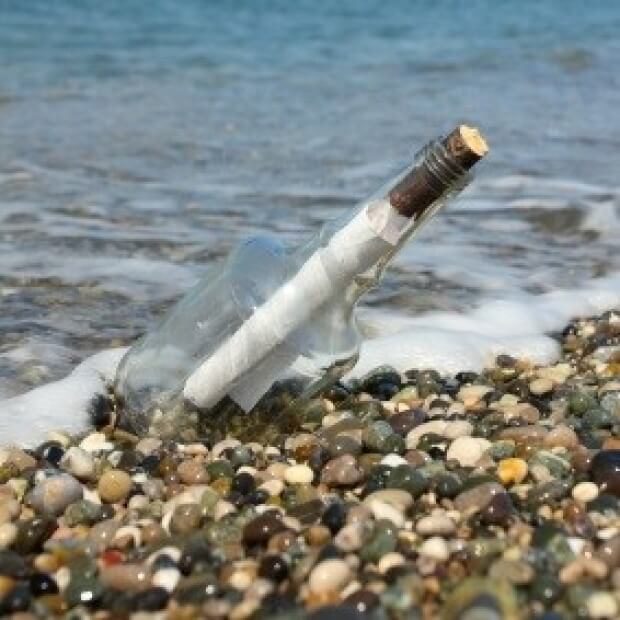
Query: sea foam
(446,341)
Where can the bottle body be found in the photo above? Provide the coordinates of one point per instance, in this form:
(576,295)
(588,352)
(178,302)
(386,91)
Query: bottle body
(271,320)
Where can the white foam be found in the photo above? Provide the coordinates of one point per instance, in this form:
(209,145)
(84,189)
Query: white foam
(446,341)
(63,405)
(450,341)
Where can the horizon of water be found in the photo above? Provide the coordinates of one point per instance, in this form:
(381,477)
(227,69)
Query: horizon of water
(140,141)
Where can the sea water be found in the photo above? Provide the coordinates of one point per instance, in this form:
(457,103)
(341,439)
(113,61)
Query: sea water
(139,141)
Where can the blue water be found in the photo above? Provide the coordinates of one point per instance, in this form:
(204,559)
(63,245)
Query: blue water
(140,140)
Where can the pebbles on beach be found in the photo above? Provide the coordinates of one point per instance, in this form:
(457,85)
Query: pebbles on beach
(493,494)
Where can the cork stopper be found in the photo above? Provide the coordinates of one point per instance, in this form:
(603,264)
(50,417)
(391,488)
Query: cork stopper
(442,165)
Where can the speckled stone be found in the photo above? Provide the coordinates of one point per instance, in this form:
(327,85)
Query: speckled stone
(114,486)
(185,518)
(477,498)
(342,471)
(192,472)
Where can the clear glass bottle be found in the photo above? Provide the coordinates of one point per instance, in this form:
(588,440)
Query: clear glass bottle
(269,327)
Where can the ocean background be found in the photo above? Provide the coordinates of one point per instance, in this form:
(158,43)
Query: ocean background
(139,141)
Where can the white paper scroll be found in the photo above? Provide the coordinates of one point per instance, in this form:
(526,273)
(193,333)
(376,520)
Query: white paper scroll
(252,358)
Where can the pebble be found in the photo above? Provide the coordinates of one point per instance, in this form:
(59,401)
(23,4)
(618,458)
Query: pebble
(263,527)
(126,577)
(435,548)
(350,537)
(458,428)
(384,510)
(166,578)
(185,518)
(437,524)
(470,395)
(467,450)
(585,492)
(329,576)
(114,486)
(561,436)
(298,474)
(8,535)
(192,472)
(602,605)
(512,471)
(477,498)
(148,445)
(52,495)
(18,458)
(605,470)
(393,460)
(342,471)
(541,386)
(78,462)
(397,498)
(96,442)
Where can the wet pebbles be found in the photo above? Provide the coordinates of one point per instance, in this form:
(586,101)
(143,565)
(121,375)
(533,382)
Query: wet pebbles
(492,495)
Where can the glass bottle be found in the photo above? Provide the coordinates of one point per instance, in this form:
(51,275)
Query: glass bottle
(269,328)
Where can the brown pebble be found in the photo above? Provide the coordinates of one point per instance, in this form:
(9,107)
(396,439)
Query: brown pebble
(263,527)
(153,532)
(561,436)
(282,541)
(342,471)
(317,535)
(185,518)
(611,443)
(192,472)
(126,577)
(114,486)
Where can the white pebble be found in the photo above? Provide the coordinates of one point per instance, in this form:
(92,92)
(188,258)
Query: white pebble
(458,428)
(223,508)
(585,492)
(435,524)
(78,462)
(602,605)
(298,474)
(166,578)
(435,548)
(467,450)
(383,510)
(541,386)
(274,487)
(96,442)
(390,560)
(469,395)
(393,460)
(329,576)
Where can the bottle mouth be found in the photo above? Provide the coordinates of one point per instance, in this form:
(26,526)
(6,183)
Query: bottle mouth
(441,166)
